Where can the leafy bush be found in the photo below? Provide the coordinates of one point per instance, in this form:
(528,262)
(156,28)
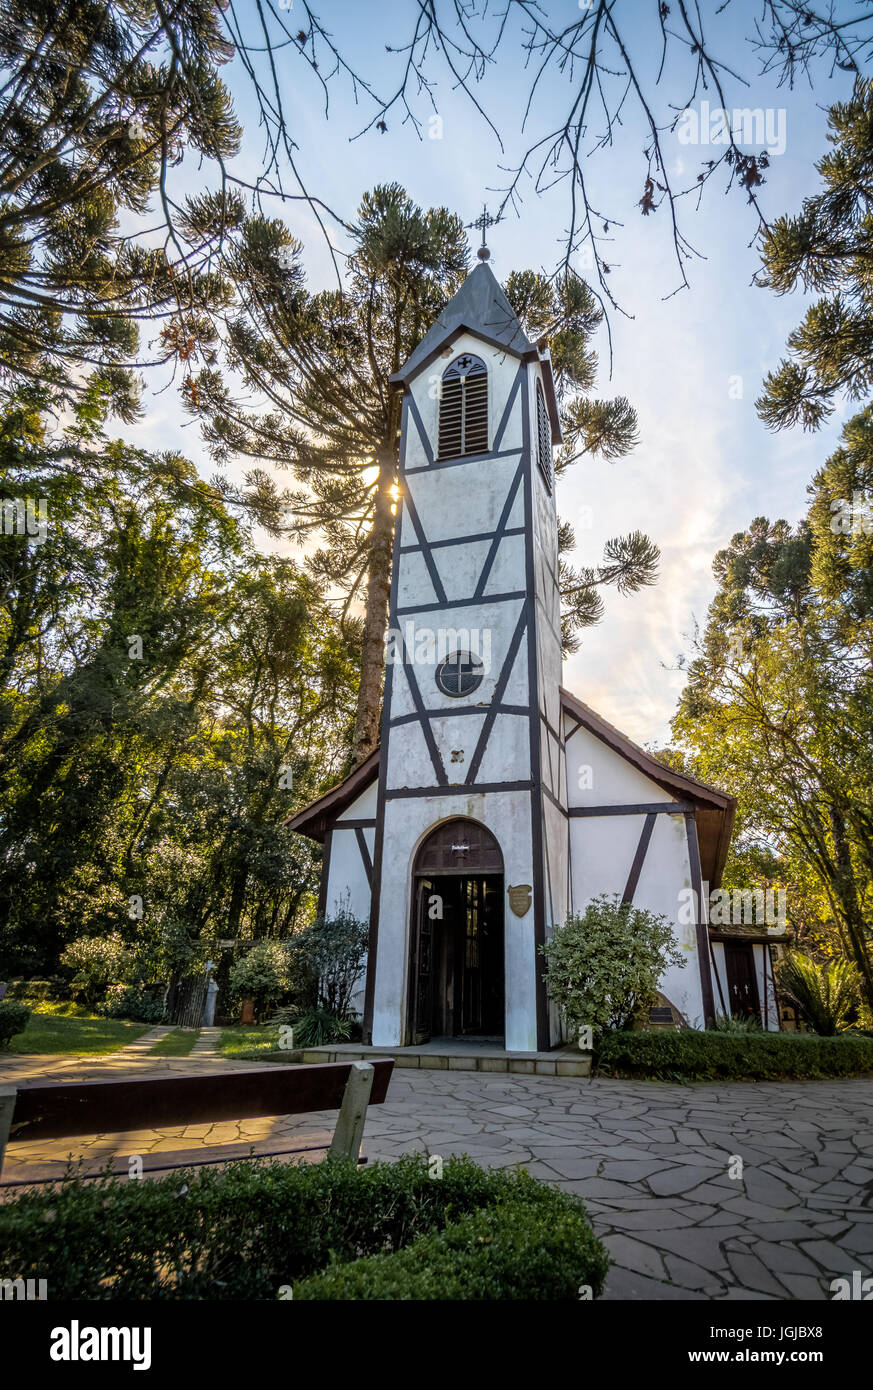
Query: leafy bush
(285,1017)
(318,1027)
(604,967)
(692,1055)
(334,950)
(14,1018)
(98,961)
(824,994)
(136,1002)
(244,1231)
(261,975)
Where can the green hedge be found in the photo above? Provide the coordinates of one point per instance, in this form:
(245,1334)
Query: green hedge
(512,1251)
(692,1055)
(244,1231)
(37,991)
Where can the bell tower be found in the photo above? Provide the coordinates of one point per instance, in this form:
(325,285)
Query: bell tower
(471,724)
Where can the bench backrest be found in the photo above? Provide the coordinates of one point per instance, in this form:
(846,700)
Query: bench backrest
(57,1110)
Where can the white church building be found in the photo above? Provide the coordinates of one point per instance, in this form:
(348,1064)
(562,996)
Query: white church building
(498,803)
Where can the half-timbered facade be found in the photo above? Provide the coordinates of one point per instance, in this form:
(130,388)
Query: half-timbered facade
(497,803)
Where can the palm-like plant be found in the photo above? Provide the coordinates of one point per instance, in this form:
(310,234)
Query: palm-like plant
(732,1023)
(319,1027)
(824,994)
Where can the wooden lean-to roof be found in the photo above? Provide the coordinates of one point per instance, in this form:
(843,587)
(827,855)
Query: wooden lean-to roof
(320,815)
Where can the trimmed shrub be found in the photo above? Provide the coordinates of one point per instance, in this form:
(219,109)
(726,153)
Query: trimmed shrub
(244,1231)
(261,975)
(691,1055)
(512,1251)
(37,991)
(14,1018)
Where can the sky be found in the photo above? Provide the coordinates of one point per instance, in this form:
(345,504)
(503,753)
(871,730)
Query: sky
(691,360)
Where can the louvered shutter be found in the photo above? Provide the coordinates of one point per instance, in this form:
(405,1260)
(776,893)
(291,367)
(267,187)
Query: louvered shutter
(544,438)
(464,408)
(476,413)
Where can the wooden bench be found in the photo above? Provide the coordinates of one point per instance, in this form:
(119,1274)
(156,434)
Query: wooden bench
(61,1110)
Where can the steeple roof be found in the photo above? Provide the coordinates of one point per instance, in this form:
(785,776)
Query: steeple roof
(480,306)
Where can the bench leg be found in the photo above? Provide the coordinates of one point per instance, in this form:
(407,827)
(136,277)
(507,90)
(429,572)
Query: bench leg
(7,1108)
(349,1132)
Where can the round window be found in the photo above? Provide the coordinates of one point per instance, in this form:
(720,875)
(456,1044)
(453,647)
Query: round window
(460,674)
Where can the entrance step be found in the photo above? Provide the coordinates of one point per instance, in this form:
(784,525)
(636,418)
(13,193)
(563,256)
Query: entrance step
(455,1055)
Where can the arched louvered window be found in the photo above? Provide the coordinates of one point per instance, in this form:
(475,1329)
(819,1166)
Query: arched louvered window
(544,438)
(464,408)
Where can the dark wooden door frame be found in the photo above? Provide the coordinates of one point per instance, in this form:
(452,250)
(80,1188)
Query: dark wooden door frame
(458,847)
(423,885)
(734,951)
(415,1026)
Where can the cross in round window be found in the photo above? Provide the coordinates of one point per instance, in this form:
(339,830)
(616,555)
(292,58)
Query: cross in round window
(460,674)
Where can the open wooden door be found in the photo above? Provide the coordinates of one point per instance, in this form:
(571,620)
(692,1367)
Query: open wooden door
(422,965)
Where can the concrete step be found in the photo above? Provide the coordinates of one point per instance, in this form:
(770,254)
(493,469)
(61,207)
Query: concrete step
(565,1062)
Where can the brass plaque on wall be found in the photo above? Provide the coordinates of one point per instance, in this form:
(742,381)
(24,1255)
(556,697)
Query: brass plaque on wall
(519,898)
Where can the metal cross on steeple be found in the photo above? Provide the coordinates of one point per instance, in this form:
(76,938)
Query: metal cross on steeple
(484,221)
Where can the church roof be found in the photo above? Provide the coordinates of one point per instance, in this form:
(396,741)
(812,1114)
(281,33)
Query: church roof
(678,784)
(713,809)
(479,306)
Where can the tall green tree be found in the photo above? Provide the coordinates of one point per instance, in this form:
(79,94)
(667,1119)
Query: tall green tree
(321,363)
(778,707)
(99,104)
(168,697)
(827,249)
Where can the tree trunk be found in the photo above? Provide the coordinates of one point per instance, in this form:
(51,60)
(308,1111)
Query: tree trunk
(376,612)
(847,892)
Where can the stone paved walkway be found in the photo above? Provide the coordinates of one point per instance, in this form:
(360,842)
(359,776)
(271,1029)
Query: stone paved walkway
(651,1162)
(45,1066)
(207,1044)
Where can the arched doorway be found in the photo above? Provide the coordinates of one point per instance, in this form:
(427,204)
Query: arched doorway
(456,985)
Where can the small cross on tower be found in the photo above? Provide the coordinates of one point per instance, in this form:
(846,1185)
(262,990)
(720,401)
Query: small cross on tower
(484,221)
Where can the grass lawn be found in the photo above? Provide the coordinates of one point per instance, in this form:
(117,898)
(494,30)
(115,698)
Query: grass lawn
(176,1044)
(245,1043)
(66,1028)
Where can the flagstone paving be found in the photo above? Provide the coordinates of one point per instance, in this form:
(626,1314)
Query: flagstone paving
(651,1161)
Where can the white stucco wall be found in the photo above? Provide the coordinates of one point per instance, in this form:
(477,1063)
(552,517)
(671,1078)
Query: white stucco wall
(454,502)
(602,850)
(407,822)
(347,882)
